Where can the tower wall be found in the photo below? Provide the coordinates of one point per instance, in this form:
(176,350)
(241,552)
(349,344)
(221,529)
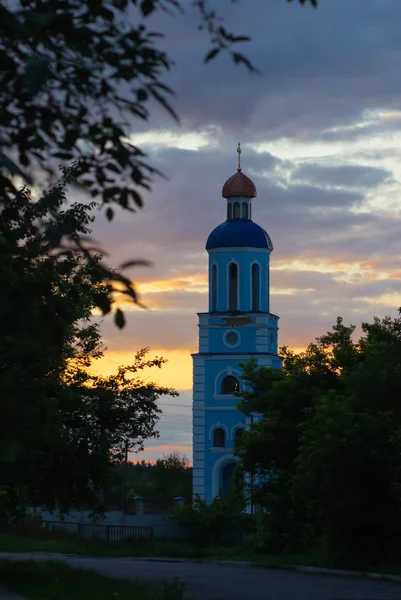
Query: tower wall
(237,327)
(244,258)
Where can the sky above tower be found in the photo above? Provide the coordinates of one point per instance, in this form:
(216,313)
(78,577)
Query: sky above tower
(320,132)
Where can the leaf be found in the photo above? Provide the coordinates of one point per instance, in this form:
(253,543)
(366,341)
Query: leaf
(142,95)
(63,155)
(114,168)
(123,200)
(119,318)
(211,54)
(36,75)
(136,198)
(135,263)
(109,214)
(163,102)
(104,303)
(240,58)
(13,168)
(147,7)
(110,192)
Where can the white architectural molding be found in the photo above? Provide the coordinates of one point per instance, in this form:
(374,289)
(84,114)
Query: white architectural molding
(219,378)
(225,342)
(221,462)
(217,426)
(220,408)
(235,357)
(199,361)
(244,249)
(232,261)
(199,472)
(212,291)
(199,419)
(255,262)
(239,425)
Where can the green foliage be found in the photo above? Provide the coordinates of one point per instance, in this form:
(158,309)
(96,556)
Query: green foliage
(325,453)
(158,482)
(61,427)
(172,477)
(211,523)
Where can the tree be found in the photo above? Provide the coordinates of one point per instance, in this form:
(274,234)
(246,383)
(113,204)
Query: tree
(214,522)
(172,478)
(61,427)
(326,451)
(74,76)
(159,483)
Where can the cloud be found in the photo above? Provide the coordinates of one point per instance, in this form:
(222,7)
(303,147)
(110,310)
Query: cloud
(341,175)
(320,130)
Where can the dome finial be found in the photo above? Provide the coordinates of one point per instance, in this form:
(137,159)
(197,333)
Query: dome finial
(239,157)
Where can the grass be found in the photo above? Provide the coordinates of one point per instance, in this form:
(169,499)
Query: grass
(45,580)
(67,544)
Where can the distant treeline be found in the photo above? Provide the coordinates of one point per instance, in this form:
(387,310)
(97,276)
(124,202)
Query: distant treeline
(159,483)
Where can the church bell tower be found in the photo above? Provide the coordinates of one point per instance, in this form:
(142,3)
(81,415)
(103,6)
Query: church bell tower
(237,327)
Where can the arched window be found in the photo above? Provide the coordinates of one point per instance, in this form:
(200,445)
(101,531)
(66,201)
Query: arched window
(229,211)
(238,432)
(214,288)
(229,385)
(219,438)
(255,286)
(244,210)
(233,286)
(236,210)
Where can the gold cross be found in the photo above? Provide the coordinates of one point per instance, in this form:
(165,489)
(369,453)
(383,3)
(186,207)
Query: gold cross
(239,157)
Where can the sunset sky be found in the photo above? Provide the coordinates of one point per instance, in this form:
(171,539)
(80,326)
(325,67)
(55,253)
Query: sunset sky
(320,130)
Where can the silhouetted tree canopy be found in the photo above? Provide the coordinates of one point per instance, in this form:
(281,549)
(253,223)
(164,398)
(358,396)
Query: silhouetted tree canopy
(326,451)
(61,427)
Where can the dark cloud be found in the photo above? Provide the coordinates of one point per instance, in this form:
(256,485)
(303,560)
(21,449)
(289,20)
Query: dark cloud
(306,317)
(341,175)
(326,76)
(303,220)
(319,68)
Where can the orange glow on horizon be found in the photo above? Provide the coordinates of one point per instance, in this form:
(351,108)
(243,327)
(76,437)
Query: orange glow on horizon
(176,373)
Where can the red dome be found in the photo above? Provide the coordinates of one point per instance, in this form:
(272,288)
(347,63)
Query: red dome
(239,185)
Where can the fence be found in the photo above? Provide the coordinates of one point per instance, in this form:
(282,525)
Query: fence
(141,536)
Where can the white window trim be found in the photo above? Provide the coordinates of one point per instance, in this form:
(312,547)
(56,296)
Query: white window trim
(256,262)
(216,470)
(236,201)
(218,379)
(227,345)
(216,308)
(232,261)
(218,426)
(235,427)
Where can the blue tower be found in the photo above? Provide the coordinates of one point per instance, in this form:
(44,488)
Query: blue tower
(238,326)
